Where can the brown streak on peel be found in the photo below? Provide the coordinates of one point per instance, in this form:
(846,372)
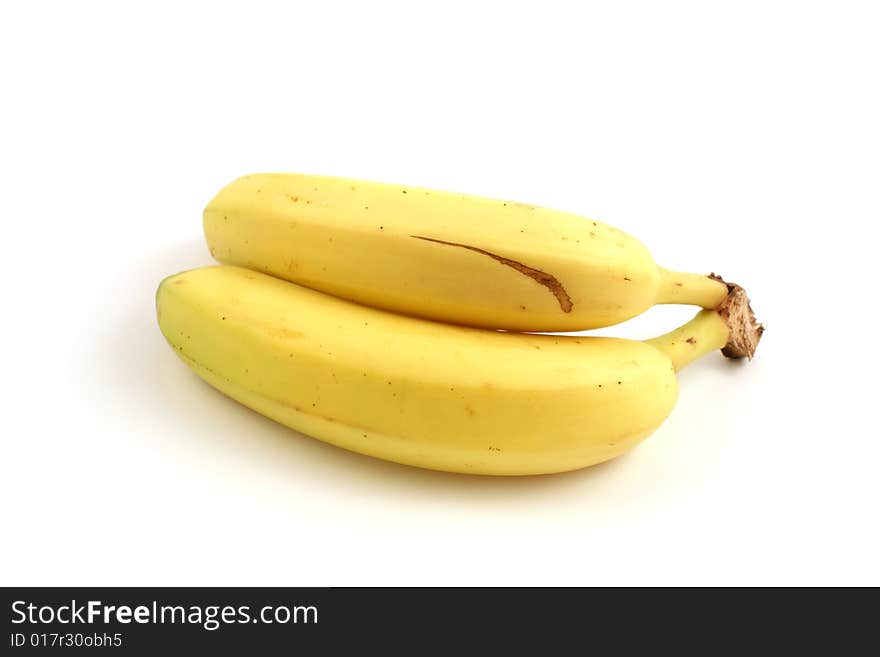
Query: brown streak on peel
(547,280)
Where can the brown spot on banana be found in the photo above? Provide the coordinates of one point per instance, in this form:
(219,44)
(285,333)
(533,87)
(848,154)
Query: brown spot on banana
(547,280)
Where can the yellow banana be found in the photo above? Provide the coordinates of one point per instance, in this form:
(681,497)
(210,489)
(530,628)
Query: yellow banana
(424,393)
(443,256)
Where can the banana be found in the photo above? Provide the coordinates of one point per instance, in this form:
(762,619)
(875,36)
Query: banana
(423,393)
(443,256)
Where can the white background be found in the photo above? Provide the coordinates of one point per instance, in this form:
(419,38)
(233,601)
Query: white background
(735,137)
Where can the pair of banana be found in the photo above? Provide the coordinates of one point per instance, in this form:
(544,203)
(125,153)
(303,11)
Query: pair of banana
(357,313)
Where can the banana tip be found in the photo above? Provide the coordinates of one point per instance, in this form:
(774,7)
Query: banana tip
(745,330)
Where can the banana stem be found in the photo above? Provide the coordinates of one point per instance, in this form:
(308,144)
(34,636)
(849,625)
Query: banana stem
(728,322)
(690,289)
(706,332)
